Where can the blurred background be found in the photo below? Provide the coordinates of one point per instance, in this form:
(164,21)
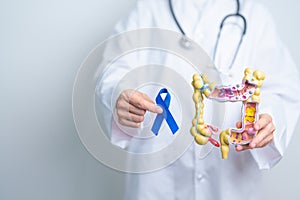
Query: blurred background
(42,44)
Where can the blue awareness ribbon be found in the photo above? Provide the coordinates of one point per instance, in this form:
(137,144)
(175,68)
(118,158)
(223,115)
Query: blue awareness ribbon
(166,114)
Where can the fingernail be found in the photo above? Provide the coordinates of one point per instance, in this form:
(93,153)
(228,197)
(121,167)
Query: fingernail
(159,109)
(253,145)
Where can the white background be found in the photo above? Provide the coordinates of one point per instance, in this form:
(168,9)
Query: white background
(42,44)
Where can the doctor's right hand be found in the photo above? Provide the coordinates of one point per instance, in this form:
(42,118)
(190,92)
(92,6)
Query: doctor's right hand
(131,107)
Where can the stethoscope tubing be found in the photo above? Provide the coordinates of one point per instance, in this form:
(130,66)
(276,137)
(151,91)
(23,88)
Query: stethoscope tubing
(236,14)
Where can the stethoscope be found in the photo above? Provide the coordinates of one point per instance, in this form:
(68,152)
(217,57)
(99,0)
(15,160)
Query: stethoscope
(185,41)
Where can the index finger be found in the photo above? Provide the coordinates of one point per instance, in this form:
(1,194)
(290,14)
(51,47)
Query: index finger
(142,101)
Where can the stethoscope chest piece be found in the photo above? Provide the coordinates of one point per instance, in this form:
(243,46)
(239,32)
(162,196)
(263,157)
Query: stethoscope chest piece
(185,42)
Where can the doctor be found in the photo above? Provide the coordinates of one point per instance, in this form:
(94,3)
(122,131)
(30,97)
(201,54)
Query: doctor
(253,42)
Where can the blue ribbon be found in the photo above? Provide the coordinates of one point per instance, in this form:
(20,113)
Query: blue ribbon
(166,114)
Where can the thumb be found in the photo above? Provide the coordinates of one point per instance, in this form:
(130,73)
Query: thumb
(239,124)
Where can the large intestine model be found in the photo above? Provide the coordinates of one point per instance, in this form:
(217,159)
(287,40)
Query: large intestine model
(247,92)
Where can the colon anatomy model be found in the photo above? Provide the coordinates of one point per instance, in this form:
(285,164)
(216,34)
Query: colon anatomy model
(247,92)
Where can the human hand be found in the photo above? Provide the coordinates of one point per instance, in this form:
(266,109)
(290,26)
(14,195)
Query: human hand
(265,135)
(131,107)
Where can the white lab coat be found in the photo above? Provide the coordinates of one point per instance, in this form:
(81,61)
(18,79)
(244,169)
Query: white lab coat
(191,178)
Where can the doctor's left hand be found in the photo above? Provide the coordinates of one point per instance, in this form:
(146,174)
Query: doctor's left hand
(265,135)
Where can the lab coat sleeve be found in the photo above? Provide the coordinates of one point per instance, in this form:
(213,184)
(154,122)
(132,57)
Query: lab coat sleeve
(280,92)
(106,89)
